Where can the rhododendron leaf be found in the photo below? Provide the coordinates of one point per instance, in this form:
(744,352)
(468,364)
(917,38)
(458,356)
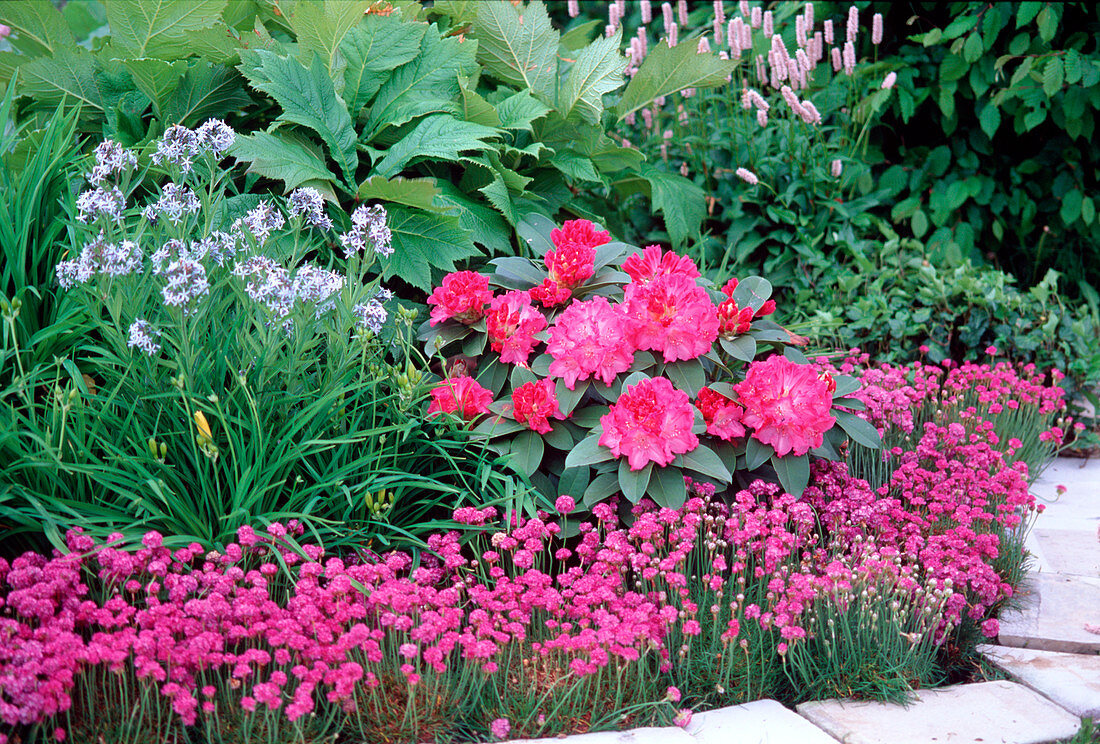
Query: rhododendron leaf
(742,348)
(634,483)
(540,365)
(515,272)
(703,460)
(859,430)
(756,453)
(589,416)
(844,385)
(520,375)
(568,399)
(770,336)
(612,253)
(559,437)
(752,291)
(588,451)
(446,332)
(527,449)
(725,388)
(795,355)
(600,488)
(667,488)
(493,376)
(474,344)
(854,403)
(497,426)
(687,375)
(534,229)
(793,472)
(827,450)
(574,481)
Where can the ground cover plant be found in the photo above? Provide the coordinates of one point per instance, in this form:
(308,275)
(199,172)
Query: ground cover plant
(524,626)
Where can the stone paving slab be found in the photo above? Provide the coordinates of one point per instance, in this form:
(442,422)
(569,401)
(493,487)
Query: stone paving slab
(1071,680)
(1079,507)
(1066,551)
(648,735)
(1051,612)
(761,722)
(1003,712)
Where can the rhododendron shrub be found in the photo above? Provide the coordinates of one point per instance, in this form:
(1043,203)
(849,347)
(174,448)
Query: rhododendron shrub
(712,384)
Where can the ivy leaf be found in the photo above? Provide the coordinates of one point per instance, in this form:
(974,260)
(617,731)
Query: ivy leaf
(373,50)
(441,137)
(159,28)
(669,70)
(423,241)
(38,27)
(308,98)
(519,49)
(429,83)
(206,91)
(990,119)
(320,27)
(276,157)
(598,70)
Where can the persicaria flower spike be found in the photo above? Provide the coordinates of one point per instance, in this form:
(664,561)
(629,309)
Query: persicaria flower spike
(651,422)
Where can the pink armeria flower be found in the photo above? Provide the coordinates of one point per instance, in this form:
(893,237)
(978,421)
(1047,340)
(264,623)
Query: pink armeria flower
(722,415)
(682,718)
(786,404)
(512,324)
(534,403)
(589,339)
(653,262)
(672,315)
(462,295)
(565,504)
(462,394)
(500,728)
(990,628)
(651,422)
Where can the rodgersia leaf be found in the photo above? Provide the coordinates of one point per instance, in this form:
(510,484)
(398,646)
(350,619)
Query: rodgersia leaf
(666,71)
(275,156)
(422,241)
(308,98)
(159,28)
(373,50)
(441,137)
(598,70)
(518,47)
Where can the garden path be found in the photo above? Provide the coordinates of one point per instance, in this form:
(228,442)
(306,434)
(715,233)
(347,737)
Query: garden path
(1049,643)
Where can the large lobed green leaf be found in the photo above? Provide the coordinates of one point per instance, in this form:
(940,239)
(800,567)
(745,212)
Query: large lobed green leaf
(37,27)
(518,47)
(423,241)
(598,70)
(275,156)
(372,51)
(669,70)
(307,97)
(441,137)
(320,27)
(160,28)
(429,83)
(206,91)
(68,74)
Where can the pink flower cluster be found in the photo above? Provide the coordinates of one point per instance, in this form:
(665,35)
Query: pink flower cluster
(651,422)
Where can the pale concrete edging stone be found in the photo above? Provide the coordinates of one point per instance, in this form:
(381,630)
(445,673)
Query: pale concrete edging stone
(1001,711)
(1071,680)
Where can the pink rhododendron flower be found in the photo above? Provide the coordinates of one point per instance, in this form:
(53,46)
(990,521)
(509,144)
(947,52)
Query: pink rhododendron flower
(589,339)
(512,324)
(461,296)
(653,262)
(570,262)
(733,320)
(462,394)
(578,232)
(533,403)
(786,404)
(651,422)
(673,315)
(722,415)
(551,294)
